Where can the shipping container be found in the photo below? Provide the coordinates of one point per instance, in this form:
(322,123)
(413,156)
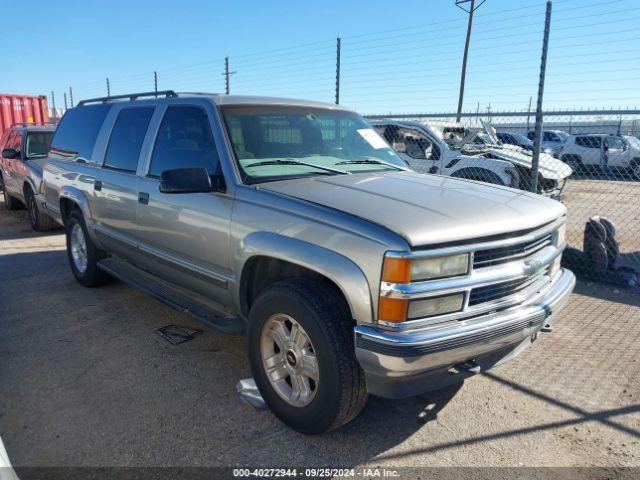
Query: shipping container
(22,109)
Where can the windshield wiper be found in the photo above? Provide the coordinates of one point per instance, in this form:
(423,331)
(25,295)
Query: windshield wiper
(291,161)
(372,161)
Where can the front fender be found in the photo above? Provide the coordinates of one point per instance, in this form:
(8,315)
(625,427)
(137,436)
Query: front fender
(334,266)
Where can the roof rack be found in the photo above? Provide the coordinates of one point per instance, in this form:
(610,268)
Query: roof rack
(130,96)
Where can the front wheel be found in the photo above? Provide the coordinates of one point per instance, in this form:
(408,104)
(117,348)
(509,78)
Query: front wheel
(83,254)
(39,220)
(301,352)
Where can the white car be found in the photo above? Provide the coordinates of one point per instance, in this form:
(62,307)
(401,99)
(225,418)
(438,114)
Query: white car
(453,150)
(591,151)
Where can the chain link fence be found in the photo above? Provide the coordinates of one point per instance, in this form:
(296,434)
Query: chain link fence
(590,161)
(589,149)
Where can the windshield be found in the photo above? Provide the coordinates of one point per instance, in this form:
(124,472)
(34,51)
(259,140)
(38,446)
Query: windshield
(563,135)
(38,144)
(278,142)
(633,141)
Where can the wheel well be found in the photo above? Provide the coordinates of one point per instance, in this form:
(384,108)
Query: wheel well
(259,272)
(25,187)
(66,206)
(571,156)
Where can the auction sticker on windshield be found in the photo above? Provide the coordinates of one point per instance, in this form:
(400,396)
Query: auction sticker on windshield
(372,137)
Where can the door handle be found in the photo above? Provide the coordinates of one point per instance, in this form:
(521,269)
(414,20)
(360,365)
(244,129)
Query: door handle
(143,198)
(97,185)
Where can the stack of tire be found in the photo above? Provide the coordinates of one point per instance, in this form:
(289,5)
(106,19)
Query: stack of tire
(600,245)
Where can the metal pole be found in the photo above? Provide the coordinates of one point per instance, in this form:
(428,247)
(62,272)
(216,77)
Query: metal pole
(338,48)
(108,88)
(71,97)
(529,111)
(463,75)
(65,101)
(535,163)
(155,82)
(53,103)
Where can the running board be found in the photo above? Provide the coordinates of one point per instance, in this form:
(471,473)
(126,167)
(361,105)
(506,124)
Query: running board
(173,296)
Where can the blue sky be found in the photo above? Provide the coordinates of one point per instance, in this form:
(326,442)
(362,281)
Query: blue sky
(396,56)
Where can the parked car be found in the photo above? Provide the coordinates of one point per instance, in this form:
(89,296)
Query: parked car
(294,222)
(457,151)
(516,139)
(23,150)
(592,151)
(551,140)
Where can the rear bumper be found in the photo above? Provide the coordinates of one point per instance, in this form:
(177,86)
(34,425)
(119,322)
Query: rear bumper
(402,364)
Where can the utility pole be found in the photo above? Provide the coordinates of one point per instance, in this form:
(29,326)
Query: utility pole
(71,97)
(227,74)
(155,82)
(472,8)
(338,48)
(108,88)
(65,101)
(535,161)
(529,111)
(53,103)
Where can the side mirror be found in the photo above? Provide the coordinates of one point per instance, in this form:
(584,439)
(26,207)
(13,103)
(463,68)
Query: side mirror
(428,152)
(10,153)
(185,180)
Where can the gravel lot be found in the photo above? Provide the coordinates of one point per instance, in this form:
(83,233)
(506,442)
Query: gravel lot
(85,381)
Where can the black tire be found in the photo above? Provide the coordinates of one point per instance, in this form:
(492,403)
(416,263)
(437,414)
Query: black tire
(39,220)
(575,162)
(10,203)
(341,392)
(92,276)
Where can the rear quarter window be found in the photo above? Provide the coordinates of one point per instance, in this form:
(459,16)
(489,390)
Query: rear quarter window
(77,132)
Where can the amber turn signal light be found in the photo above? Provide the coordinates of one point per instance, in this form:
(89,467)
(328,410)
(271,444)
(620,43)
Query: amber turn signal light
(392,309)
(396,270)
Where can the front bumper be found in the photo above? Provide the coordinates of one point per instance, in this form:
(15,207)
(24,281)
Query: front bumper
(403,364)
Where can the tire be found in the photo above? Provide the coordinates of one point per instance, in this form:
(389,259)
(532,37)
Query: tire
(39,220)
(635,169)
(575,162)
(338,394)
(10,203)
(87,272)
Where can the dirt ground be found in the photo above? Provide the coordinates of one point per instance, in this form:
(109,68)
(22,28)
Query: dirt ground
(619,201)
(86,381)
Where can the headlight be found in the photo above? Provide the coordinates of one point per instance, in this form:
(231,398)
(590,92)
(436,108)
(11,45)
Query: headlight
(429,307)
(406,270)
(439,267)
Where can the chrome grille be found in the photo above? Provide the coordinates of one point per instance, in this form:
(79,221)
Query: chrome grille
(501,290)
(495,256)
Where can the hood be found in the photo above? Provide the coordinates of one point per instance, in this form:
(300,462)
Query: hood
(549,167)
(425,209)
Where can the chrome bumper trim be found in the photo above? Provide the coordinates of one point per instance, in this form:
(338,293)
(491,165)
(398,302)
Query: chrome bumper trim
(405,353)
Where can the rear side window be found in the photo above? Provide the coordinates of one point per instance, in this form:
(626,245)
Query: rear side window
(589,142)
(77,132)
(184,141)
(126,139)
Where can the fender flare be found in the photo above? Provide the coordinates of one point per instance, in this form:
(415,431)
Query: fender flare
(349,278)
(29,181)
